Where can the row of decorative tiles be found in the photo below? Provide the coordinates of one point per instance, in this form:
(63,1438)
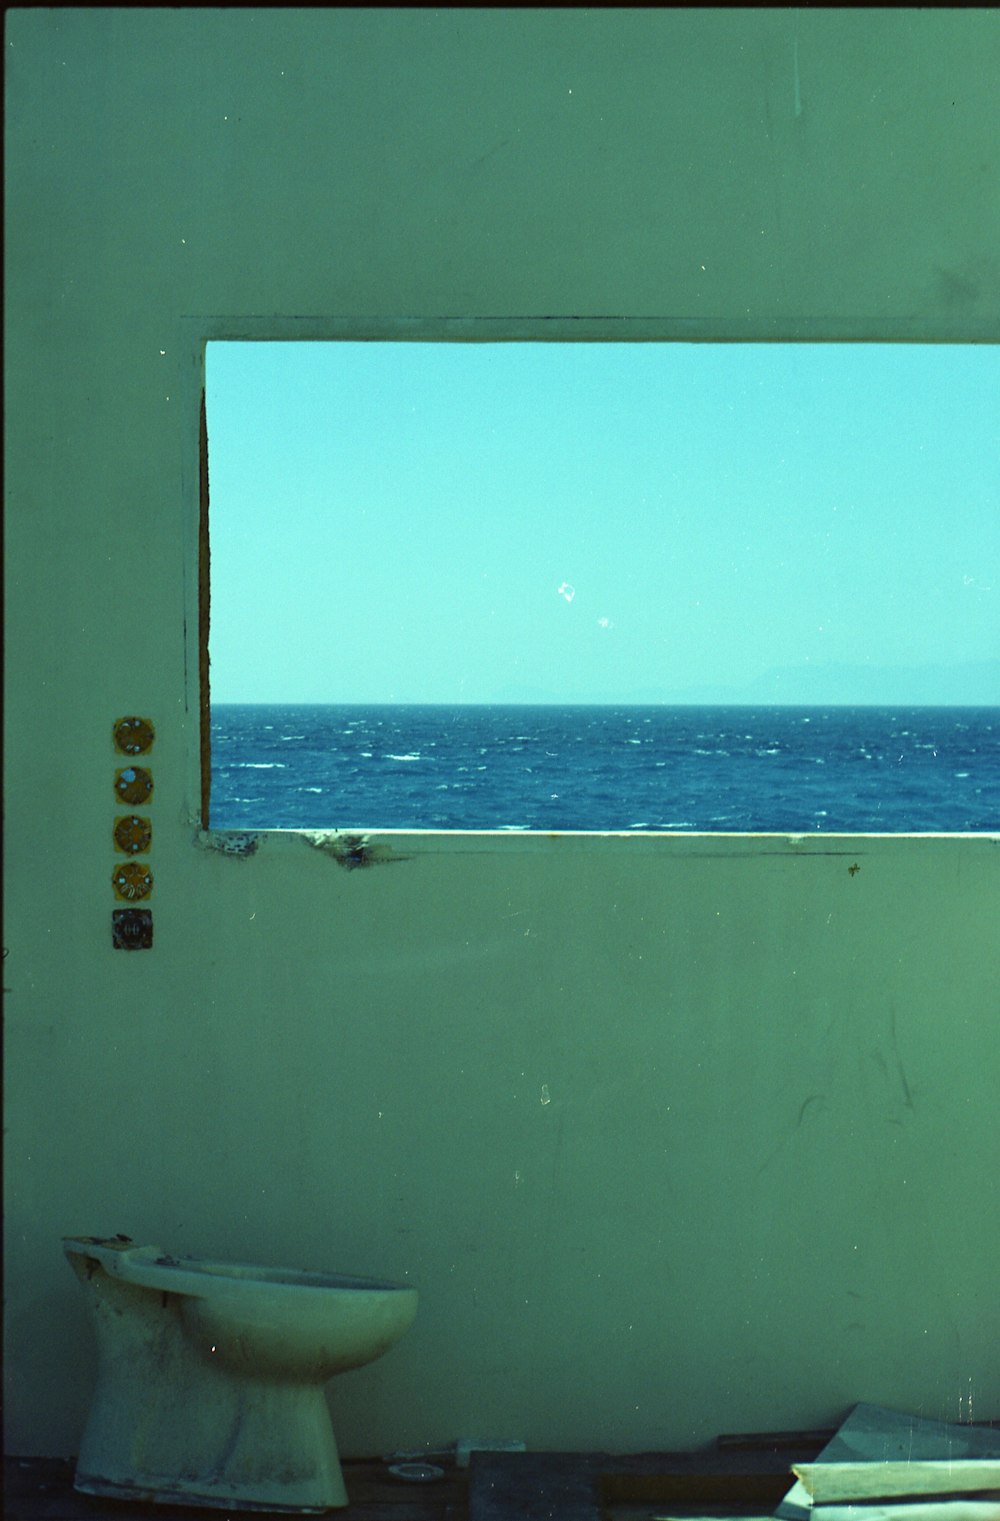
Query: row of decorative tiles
(132,880)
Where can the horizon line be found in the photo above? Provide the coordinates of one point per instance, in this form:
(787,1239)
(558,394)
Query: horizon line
(383,702)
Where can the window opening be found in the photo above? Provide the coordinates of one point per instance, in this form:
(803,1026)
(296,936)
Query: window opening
(603,586)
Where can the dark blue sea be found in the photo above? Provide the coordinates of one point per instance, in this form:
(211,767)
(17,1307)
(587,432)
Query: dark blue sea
(836,769)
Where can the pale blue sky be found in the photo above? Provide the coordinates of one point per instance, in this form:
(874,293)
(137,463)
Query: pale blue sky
(595,522)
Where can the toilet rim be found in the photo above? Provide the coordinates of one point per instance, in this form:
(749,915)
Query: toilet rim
(151,1267)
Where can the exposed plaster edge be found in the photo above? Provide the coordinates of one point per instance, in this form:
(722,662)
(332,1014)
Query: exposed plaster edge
(349,850)
(228,843)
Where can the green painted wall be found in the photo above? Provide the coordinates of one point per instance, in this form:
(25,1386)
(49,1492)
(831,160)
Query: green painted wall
(761,1187)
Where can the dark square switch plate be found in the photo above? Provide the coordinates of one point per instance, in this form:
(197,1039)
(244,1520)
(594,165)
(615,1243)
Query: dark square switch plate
(132,929)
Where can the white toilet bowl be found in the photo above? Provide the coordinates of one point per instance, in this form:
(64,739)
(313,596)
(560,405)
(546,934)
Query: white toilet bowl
(211,1374)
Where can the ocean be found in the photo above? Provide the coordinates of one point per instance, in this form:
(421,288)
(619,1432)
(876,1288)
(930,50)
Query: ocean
(723,769)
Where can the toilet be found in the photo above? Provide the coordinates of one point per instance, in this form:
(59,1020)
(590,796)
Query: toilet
(211,1374)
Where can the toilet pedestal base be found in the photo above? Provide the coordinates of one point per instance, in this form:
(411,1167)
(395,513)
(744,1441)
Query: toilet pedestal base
(216,1441)
(87,1484)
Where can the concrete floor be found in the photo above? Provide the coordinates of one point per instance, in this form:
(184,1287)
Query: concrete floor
(41,1489)
(727,1480)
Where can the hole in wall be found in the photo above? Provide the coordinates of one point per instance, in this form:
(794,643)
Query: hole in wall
(630,586)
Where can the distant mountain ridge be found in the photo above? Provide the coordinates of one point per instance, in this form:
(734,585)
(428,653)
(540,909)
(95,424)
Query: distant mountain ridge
(970,685)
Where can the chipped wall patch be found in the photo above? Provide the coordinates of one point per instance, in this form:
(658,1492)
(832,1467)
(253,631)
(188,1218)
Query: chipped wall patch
(239,845)
(350,850)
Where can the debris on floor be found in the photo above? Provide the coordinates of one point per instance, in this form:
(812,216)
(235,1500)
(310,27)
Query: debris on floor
(885,1466)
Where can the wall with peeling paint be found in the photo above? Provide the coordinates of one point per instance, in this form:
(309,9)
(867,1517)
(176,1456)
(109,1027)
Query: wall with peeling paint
(675,1135)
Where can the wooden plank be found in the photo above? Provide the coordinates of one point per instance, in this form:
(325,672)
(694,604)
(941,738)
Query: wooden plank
(836,1482)
(710,1488)
(550,1486)
(750,1441)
